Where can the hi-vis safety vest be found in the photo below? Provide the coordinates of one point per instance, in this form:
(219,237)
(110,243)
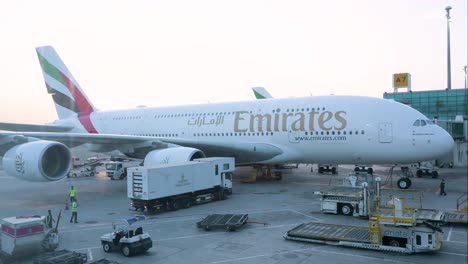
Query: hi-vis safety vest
(74,207)
(72,192)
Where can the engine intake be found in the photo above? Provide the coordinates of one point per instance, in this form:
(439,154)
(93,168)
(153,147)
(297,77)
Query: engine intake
(38,161)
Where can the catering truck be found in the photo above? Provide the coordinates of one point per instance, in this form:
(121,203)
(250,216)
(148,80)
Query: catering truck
(179,185)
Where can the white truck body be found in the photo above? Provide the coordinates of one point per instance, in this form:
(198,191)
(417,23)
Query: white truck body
(180,184)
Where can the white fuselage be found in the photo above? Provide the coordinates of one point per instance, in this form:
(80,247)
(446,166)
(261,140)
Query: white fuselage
(326,129)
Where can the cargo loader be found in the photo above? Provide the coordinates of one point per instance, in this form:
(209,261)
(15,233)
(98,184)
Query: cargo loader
(396,228)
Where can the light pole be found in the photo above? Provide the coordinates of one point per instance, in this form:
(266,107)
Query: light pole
(465,69)
(449,79)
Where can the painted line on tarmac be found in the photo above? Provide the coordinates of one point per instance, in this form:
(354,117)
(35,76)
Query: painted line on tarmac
(454,254)
(315,218)
(450,233)
(90,255)
(309,249)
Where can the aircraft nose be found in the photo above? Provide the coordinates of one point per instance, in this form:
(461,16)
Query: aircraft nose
(444,142)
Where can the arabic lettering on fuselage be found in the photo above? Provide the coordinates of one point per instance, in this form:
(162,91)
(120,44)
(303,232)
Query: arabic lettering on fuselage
(206,121)
(244,121)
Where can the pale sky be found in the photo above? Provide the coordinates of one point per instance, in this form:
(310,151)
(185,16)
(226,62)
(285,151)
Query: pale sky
(175,52)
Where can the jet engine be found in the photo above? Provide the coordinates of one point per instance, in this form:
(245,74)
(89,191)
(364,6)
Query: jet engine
(40,160)
(172,155)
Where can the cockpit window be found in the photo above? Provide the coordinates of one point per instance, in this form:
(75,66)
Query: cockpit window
(429,122)
(417,123)
(423,123)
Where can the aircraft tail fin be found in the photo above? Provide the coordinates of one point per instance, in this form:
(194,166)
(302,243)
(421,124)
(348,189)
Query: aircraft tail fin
(68,97)
(261,93)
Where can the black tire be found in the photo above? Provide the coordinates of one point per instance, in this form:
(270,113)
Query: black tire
(320,170)
(126,251)
(207,228)
(231,228)
(122,176)
(346,209)
(187,203)
(394,243)
(106,247)
(356,169)
(74,175)
(370,170)
(419,173)
(404,183)
(435,174)
(91,174)
(175,205)
(333,170)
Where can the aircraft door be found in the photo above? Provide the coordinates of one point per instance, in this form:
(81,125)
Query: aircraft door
(385,133)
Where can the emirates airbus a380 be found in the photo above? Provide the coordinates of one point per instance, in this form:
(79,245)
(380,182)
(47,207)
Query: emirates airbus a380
(319,129)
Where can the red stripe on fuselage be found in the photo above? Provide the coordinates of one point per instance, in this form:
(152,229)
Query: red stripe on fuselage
(82,103)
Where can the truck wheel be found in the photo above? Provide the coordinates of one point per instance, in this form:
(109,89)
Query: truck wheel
(370,170)
(231,228)
(394,243)
(175,205)
(126,251)
(122,176)
(207,228)
(91,174)
(106,247)
(346,209)
(333,170)
(320,170)
(74,175)
(404,183)
(435,174)
(419,173)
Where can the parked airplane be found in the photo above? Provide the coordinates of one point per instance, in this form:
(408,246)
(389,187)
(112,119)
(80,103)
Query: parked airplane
(318,129)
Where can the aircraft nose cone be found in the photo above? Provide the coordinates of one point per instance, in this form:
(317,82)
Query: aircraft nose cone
(445,142)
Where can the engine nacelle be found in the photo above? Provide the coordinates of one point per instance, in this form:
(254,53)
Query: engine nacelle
(38,161)
(172,155)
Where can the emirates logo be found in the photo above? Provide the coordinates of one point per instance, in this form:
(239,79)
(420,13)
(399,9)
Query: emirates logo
(19,163)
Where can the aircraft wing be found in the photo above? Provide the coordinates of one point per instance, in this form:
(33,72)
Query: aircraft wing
(251,151)
(33,128)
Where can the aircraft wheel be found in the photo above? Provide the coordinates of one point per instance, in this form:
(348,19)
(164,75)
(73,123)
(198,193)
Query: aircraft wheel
(404,183)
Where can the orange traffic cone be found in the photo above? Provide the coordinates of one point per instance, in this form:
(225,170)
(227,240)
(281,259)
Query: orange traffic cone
(66,204)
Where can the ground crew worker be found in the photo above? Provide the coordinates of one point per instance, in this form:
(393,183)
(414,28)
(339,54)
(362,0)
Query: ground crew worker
(442,188)
(74,210)
(49,219)
(72,193)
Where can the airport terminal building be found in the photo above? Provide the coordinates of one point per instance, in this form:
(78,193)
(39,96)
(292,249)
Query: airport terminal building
(449,108)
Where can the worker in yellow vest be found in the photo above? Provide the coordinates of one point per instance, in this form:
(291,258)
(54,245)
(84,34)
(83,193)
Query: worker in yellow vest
(74,210)
(72,193)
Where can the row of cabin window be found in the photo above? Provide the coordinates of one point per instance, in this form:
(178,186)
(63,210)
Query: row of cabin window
(253,134)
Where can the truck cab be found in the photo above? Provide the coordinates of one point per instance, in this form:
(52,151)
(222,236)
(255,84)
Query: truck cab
(224,167)
(116,170)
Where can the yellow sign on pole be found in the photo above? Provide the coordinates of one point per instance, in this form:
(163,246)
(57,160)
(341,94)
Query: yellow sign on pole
(401,80)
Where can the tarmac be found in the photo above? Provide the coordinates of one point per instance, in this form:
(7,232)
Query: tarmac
(274,206)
